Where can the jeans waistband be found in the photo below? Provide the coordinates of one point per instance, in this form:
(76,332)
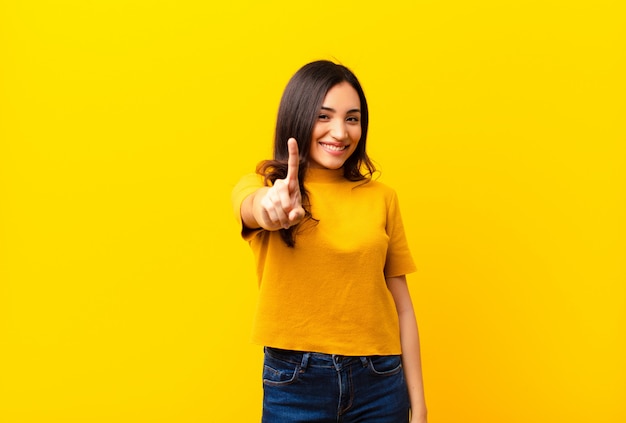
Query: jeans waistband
(314,358)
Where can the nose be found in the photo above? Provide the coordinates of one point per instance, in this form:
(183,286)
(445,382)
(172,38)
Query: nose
(338,130)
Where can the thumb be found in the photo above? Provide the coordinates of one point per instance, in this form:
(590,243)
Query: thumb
(296,214)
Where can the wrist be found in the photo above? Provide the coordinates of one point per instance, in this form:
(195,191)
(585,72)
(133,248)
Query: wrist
(418,415)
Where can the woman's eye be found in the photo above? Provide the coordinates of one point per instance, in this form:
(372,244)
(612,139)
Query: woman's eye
(352,119)
(323,117)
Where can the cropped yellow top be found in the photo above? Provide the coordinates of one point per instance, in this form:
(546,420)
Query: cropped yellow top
(328,293)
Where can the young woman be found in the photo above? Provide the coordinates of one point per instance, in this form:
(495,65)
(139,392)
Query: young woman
(334,311)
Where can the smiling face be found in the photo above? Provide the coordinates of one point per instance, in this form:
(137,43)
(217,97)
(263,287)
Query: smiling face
(337,130)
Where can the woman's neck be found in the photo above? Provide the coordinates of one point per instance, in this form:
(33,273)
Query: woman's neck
(316,174)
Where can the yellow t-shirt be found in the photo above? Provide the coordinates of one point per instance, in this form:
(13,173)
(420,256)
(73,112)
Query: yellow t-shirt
(328,294)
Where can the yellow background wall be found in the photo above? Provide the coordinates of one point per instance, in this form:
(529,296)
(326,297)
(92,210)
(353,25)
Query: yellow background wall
(125,292)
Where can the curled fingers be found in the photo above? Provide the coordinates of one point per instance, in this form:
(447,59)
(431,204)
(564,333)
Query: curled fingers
(277,205)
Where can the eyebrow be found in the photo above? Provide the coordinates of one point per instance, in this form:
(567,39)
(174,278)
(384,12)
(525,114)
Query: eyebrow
(330,109)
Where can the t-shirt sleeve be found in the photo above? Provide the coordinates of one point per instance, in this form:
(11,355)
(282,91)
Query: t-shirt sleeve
(246,186)
(399,259)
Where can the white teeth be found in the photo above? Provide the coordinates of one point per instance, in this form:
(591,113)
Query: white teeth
(334,147)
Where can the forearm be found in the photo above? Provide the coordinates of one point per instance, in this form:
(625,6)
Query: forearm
(411,361)
(410,343)
(248,205)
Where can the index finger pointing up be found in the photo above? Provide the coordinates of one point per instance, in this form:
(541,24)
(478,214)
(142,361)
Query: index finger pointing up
(294,160)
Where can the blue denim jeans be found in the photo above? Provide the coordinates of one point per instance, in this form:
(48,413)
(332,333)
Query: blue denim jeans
(303,387)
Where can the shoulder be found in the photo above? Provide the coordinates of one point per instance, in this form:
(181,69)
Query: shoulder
(251,179)
(247,185)
(248,182)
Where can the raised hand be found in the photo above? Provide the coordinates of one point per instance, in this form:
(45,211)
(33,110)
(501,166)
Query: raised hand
(281,206)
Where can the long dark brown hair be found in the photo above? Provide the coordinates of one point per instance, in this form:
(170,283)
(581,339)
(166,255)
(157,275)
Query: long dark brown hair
(299,108)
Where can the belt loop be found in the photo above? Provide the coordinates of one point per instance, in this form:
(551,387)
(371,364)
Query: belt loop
(364,361)
(305,361)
